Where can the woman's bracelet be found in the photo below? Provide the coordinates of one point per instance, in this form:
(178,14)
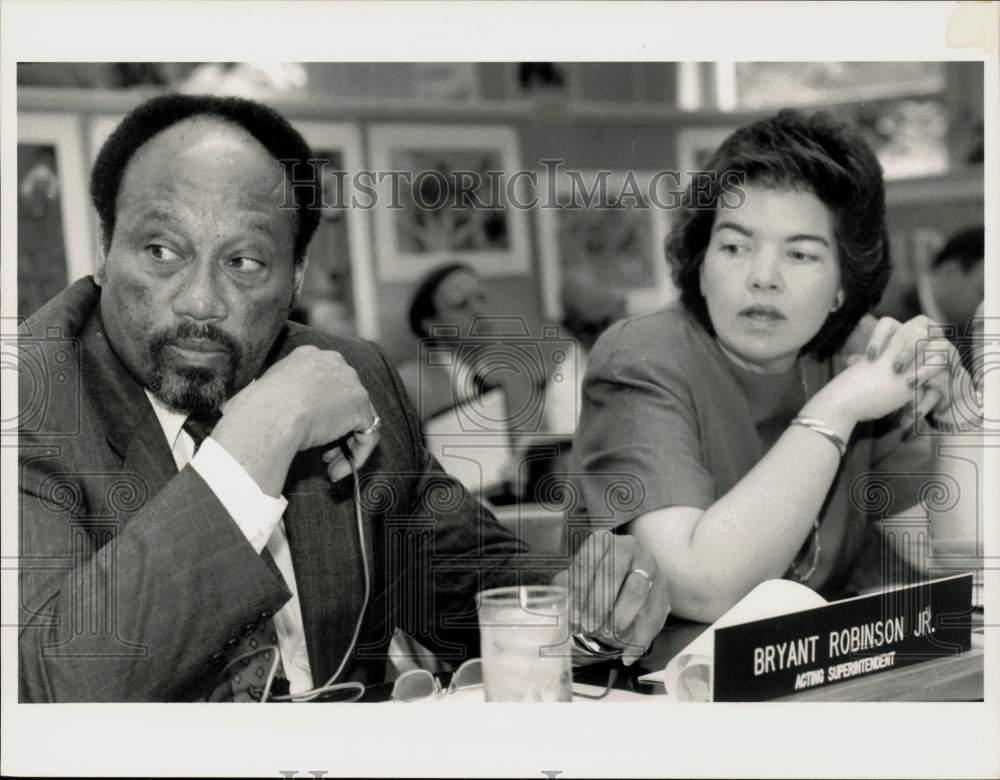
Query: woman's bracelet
(820,427)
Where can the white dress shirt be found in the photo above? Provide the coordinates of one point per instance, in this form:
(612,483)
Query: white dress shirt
(258,516)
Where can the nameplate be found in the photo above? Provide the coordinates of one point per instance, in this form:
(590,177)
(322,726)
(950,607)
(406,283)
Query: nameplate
(843,640)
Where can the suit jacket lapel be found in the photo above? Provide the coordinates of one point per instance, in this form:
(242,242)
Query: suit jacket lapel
(323,540)
(319,521)
(127,417)
(125,413)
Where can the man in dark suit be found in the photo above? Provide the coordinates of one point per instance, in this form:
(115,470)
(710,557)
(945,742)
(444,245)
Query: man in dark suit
(187,456)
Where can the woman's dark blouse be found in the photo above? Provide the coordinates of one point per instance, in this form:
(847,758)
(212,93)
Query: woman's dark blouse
(668,420)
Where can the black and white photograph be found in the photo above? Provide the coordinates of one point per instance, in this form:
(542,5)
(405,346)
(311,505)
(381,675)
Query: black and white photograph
(404,355)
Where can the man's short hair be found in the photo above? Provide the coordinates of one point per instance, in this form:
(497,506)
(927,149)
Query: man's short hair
(967,247)
(273,131)
(422,306)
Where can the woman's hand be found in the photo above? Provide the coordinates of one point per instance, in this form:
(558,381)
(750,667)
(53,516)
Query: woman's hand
(928,360)
(868,389)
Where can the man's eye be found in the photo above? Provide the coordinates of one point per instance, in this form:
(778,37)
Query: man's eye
(245,265)
(162,254)
(733,249)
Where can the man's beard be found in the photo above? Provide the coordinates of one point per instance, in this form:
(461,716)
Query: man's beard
(193,389)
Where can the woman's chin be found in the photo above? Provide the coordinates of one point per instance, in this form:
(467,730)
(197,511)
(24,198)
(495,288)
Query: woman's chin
(767,358)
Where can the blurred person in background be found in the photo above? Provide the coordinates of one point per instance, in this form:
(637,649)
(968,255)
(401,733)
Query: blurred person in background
(449,297)
(952,289)
(588,310)
(753,409)
(447,300)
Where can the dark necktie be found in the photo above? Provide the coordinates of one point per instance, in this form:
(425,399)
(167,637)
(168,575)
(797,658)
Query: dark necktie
(199,426)
(246,678)
(480,385)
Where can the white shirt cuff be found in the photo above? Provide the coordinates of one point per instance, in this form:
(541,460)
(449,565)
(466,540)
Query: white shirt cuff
(256,513)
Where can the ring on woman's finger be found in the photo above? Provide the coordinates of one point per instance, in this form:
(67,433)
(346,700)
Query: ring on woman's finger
(643,573)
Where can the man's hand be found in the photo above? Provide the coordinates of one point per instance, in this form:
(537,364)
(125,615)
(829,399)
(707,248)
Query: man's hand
(310,398)
(617,593)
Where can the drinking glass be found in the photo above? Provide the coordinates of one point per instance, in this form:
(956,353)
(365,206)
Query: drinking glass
(526,643)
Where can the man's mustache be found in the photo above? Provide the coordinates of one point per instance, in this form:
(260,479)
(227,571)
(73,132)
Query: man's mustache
(193,330)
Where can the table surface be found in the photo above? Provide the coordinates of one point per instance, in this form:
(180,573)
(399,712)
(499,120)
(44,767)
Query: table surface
(953,678)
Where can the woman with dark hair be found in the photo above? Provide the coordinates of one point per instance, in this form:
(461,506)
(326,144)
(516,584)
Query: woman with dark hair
(754,422)
(448,299)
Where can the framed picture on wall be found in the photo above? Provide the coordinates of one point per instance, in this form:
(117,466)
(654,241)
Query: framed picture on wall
(445,193)
(338,294)
(611,242)
(695,147)
(54,244)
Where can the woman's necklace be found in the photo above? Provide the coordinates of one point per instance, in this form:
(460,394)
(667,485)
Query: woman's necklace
(814,536)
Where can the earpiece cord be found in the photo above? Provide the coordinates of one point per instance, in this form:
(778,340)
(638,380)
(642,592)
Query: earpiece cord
(330,685)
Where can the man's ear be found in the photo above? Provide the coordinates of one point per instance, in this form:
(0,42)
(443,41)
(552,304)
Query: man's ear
(298,278)
(101,261)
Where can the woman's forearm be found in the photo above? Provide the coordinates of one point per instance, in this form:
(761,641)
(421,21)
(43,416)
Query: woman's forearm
(753,532)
